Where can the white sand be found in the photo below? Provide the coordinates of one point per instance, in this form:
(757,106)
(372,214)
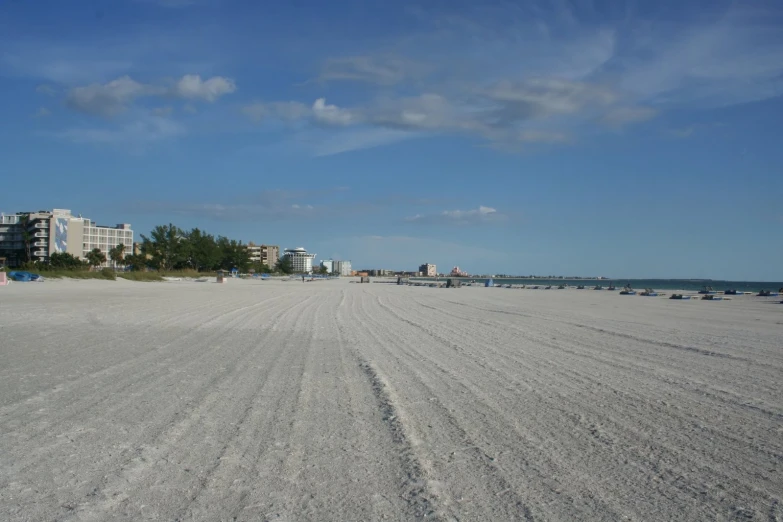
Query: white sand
(337,401)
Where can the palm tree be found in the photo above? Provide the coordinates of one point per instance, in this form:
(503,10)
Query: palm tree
(24,223)
(117,254)
(95,257)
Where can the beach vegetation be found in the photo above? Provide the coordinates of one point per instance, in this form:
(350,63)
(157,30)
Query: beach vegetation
(117,254)
(95,257)
(285,266)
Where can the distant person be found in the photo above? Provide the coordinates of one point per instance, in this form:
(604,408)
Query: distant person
(303,277)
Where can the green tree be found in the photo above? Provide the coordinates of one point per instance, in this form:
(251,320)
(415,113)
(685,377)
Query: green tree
(64,260)
(201,251)
(117,254)
(136,262)
(27,238)
(285,265)
(234,254)
(321,270)
(95,257)
(259,268)
(164,246)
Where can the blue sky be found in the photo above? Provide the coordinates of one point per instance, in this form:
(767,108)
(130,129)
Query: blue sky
(627,139)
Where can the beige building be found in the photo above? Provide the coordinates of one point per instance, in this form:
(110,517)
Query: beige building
(267,254)
(428,270)
(59,231)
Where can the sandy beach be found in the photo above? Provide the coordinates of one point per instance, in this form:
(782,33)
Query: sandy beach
(331,400)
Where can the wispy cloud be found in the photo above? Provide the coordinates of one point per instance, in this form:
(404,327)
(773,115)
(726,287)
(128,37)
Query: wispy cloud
(478,216)
(116,96)
(332,143)
(397,251)
(192,87)
(504,113)
(132,133)
(110,98)
(512,74)
(269,205)
(378,70)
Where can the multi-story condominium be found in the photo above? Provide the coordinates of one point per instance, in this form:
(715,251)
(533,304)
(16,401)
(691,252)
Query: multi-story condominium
(379,272)
(267,254)
(428,270)
(342,267)
(57,231)
(11,241)
(328,264)
(270,255)
(105,238)
(300,260)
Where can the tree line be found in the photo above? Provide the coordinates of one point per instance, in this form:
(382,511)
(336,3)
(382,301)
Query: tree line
(168,247)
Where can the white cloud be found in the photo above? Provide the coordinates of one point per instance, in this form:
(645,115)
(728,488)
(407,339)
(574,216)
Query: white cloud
(332,114)
(107,99)
(320,112)
(407,252)
(192,87)
(114,97)
(736,58)
(478,216)
(500,114)
(371,69)
(542,97)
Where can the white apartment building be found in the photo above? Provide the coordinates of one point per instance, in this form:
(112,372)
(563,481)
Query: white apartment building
(342,267)
(300,260)
(106,238)
(58,231)
(428,270)
(328,264)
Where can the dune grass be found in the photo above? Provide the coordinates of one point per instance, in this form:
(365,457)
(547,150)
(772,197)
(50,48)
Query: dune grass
(140,276)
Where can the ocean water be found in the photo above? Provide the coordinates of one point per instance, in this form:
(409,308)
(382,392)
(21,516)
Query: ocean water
(638,284)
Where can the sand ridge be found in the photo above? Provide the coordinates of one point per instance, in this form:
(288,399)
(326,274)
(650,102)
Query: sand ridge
(336,401)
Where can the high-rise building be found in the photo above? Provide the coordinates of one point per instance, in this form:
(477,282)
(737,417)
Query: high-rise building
(266,254)
(428,270)
(58,231)
(342,267)
(254,251)
(328,264)
(300,260)
(270,255)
